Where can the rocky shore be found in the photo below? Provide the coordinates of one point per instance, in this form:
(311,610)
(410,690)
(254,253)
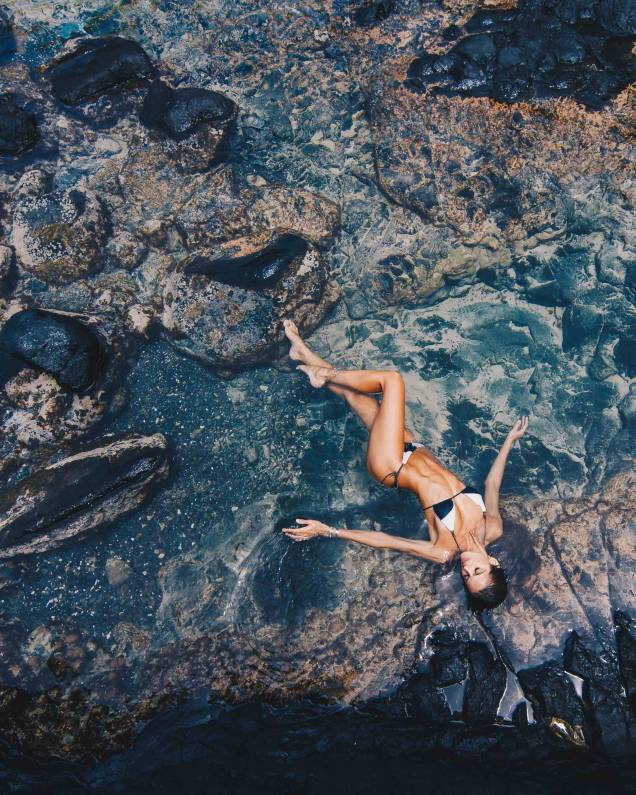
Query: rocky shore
(418,184)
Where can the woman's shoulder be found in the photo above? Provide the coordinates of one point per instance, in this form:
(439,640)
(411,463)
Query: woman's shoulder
(494,527)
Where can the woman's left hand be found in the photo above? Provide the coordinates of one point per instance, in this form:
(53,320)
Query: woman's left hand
(518,429)
(310,529)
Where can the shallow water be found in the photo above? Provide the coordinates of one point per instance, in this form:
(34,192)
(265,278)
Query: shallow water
(501,297)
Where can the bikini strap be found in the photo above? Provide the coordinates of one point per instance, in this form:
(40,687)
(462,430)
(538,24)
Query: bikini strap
(447,499)
(395,476)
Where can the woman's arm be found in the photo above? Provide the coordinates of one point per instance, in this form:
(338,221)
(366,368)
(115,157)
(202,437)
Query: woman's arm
(369,538)
(495,476)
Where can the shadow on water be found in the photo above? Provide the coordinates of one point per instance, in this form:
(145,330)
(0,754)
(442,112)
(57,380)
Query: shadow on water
(289,578)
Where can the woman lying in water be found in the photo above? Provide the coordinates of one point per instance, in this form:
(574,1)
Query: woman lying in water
(460,521)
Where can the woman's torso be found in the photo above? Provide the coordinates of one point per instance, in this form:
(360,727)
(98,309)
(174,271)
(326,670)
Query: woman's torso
(433,483)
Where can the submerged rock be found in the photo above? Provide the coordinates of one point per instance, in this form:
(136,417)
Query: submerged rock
(117,571)
(18,128)
(369,13)
(74,497)
(58,235)
(96,66)
(7,39)
(197,123)
(228,311)
(55,343)
(179,112)
(578,51)
(258,271)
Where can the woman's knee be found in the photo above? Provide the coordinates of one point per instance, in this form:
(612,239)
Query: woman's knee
(393,377)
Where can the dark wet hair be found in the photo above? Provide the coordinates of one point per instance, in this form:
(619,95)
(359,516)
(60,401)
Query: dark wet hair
(492,595)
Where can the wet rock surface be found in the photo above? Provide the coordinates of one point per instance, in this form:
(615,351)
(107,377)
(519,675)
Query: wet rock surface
(480,242)
(57,234)
(582,50)
(56,344)
(77,495)
(18,127)
(95,66)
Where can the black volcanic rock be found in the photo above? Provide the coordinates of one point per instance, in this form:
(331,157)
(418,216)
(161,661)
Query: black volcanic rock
(72,498)
(372,12)
(259,271)
(580,50)
(485,685)
(178,112)
(18,128)
(56,344)
(423,700)
(7,39)
(626,643)
(96,66)
(448,665)
(552,693)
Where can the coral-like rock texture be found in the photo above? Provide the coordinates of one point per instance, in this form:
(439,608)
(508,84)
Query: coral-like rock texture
(444,187)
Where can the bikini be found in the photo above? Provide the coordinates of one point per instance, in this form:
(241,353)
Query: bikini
(444,510)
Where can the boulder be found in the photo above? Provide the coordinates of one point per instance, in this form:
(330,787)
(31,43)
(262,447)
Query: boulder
(228,311)
(194,124)
(58,234)
(78,495)
(485,685)
(553,696)
(95,66)
(18,127)
(424,701)
(258,271)
(180,112)
(54,343)
(7,39)
(577,54)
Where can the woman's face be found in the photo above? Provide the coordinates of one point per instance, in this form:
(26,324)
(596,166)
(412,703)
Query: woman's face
(475,567)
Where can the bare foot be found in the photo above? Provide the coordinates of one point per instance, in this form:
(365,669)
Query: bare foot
(298,351)
(318,376)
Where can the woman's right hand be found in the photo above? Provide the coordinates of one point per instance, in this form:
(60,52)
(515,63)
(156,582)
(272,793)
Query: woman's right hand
(310,529)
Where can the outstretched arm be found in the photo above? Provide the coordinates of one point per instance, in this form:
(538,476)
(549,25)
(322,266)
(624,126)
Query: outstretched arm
(495,476)
(369,538)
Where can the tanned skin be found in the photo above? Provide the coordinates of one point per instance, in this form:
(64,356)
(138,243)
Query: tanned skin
(423,474)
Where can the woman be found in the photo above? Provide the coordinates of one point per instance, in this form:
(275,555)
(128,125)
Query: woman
(460,521)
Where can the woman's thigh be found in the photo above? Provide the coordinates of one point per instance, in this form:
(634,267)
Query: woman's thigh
(386,438)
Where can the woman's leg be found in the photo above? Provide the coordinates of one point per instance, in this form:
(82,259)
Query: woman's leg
(386,438)
(365,406)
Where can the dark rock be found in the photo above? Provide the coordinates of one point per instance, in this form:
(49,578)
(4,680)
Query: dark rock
(55,343)
(584,54)
(7,261)
(7,39)
(259,271)
(18,128)
(601,691)
(58,666)
(423,700)
(74,497)
(96,66)
(448,665)
(626,643)
(485,685)
(552,694)
(372,12)
(180,112)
